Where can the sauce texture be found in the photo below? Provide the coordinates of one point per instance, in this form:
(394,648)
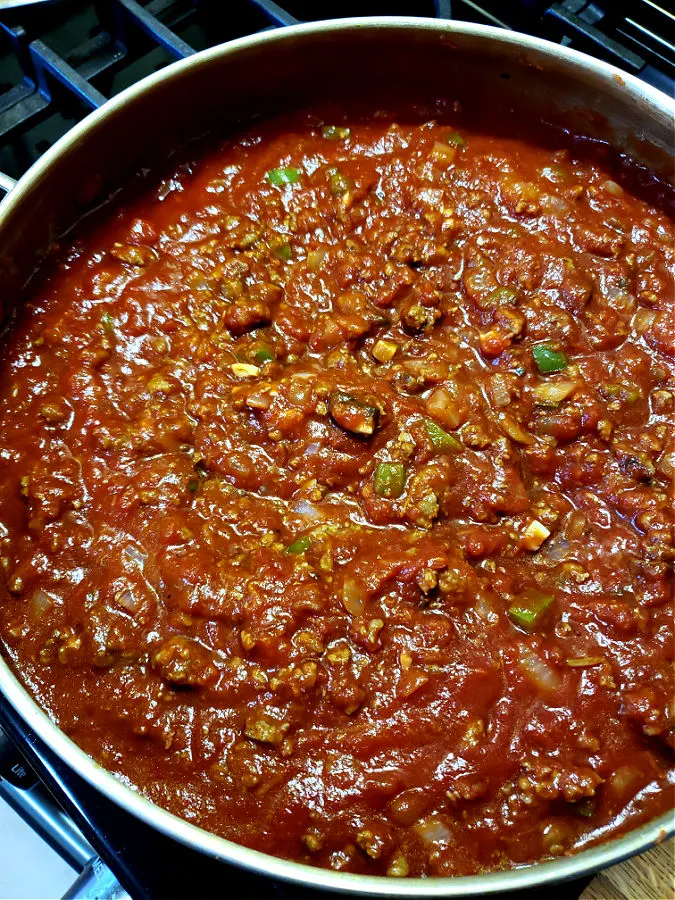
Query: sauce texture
(336,494)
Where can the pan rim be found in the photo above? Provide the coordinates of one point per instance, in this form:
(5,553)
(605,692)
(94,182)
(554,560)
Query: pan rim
(565,868)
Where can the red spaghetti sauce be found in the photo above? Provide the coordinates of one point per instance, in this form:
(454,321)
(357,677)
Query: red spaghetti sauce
(336,508)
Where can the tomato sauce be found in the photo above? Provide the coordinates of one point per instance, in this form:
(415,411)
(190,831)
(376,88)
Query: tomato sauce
(336,495)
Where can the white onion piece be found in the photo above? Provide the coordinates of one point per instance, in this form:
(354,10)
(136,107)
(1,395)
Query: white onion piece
(540,672)
(135,554)
(554,391)
(500,391)
(575,525)
(128,601)
(625,781)
(442,406)
(308,510)
(554,204)
(556,550)
(642,320)
(485,610)
(666,464)
(300,390)
(433,831)
(353,598)
(42,602)
(613,188)
(259,400)
(585,662)
(515,430)
(622,301)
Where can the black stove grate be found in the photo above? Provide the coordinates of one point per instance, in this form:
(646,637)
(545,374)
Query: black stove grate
(61,59)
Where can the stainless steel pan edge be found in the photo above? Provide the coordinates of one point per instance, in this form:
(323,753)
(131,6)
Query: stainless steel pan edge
(649,115)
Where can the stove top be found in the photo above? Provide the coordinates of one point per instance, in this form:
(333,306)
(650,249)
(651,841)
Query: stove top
(59,60)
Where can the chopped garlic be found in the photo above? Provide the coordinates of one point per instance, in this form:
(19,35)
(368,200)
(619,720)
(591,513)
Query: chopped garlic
(384,351)
(583,662)
(244,370)
(259,400)
(534,535)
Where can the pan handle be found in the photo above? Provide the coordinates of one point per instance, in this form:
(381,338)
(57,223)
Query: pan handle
(7,183)
(96,881)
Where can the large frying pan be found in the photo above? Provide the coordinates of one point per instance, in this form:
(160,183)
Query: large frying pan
(264,73)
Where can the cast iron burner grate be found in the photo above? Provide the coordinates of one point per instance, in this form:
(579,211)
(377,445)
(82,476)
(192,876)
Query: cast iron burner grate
(59,60)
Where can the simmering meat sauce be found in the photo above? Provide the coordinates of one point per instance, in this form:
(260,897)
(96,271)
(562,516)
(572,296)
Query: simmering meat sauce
(335,498)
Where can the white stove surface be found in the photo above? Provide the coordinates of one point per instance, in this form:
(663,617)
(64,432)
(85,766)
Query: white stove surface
(29,868)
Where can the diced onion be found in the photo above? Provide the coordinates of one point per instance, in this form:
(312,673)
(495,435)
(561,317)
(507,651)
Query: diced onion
(300,391)
(315,259)
(442,406)
(42,602)
(613,188)
(643,319)
(135,554)
(307,509)
(585,662)
(575,525)
(443,152)
(540,672)
(515,430)
(624,781)
(554,204)
(500,391)
(259,400)
(622,302)
(433,831)
(556,551)
(485,610)
(554,391)
(128,601)
(244,370)
(353,599)
(666,464)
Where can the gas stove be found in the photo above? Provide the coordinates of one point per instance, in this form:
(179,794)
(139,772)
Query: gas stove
(59,59)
